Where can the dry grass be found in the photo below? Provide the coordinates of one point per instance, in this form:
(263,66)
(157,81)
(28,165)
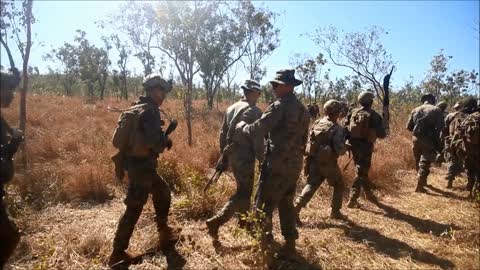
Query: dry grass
(77,204)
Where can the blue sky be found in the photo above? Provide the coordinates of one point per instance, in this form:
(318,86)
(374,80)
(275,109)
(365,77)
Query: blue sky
(417,30)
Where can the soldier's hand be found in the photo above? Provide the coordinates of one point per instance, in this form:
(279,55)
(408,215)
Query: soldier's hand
(17,135)
(240,125)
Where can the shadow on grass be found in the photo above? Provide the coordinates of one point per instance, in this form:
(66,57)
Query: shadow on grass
(393,248)
(292,261)
(447,194)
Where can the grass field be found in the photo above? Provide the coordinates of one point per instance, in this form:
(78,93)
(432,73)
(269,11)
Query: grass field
(67,203)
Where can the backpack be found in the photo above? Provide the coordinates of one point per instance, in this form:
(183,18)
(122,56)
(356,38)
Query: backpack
(471,129)
(359,126)
(457,120)
(125,137)
(318,144)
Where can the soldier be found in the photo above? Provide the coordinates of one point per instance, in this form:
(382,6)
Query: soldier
(9,142)
(285,123)
(455,162)
(363,127)
(241,156)
(144,141)
(325,144)
(313,110)
(466,142)
(426,123)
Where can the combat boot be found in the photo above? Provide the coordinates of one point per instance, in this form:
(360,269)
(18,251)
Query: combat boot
(353,204)
(213,225)
(450,183)
(119,259)
(168,237)
(336,214)
(289,247)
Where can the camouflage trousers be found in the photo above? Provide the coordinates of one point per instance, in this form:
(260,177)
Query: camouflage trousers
(362,156)
(425,153)
(472,165)
(9,234)
(454,167)
(278,191)
(143,180)
(244,172)
(316,175)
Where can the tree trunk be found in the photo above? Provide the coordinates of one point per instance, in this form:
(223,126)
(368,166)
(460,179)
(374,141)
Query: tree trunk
(23,93)
(188,108)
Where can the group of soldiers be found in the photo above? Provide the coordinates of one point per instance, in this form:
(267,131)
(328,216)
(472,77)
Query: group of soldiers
(280,139)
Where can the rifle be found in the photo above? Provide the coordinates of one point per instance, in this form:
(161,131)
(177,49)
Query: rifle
(220,167)
(8,151)
(386,100)
(263,174)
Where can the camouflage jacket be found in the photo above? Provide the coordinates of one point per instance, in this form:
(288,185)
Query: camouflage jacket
(286,123)
(336,137)
(376,122)
(249,113)
(426,121)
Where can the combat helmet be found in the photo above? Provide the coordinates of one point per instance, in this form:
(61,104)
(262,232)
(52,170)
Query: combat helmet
(332,106)
(365,97)
(154,80)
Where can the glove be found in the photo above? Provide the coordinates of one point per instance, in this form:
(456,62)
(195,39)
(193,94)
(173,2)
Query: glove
(17,135)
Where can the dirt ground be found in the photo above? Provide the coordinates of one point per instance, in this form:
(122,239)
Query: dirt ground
(437,230)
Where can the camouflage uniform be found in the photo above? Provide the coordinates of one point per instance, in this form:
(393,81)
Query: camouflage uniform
(426,122)
(144,179)
(9,234)
(241,159)
(318,168)
(455,162)
(472,162)
(286,123)
(362,151)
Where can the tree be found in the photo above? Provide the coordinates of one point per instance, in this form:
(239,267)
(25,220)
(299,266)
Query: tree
(308,70)
(221,45)
(138,21)
(263,37)
(181,27)
(445,85)
(361,52)
(68,58)
(123,53)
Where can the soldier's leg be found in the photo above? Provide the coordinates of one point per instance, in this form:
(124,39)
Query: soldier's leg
(417,154)
(335,179)
(240,201)
(271,192)
(359,172)
(314,180)
(287,215)
(423,172)
(9,235)
(161,198)
(136,198)
(470,165)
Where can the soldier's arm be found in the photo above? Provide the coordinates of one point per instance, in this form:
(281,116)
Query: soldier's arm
(152,129)
(265,124)
(338,141)
(250,116)
(410,124)
(379,126)
(223,133)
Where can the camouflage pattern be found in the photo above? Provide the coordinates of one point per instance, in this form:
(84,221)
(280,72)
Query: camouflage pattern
(362,151)
(455,164)
(317,172)
(286,124)
(426,123)
(144,179)
(241,159)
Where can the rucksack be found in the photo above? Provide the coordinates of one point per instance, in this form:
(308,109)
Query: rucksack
(319,138)
(457,120)
(125,137)
(359,126)
(471,129)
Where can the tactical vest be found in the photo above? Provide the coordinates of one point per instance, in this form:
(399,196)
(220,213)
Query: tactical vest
(359,126)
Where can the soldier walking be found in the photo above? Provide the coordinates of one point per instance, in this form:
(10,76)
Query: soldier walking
(285,123)
(10,139)
(240,155)
(326,143)
(455,162)
(426,123)
(141,139)
(363,127)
